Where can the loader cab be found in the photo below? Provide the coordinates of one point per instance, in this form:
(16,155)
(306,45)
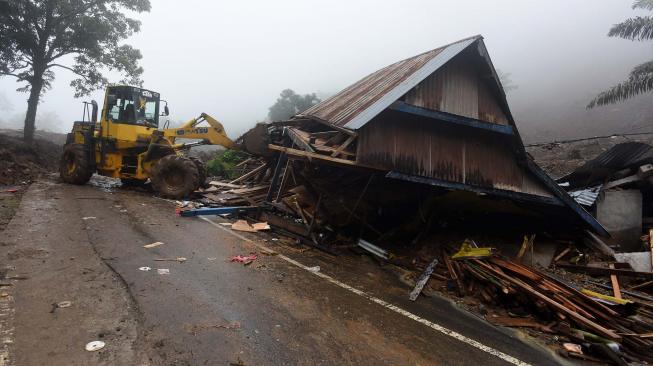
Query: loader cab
(131,106)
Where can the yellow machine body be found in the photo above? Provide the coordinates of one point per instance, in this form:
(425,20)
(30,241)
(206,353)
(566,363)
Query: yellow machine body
(127,142)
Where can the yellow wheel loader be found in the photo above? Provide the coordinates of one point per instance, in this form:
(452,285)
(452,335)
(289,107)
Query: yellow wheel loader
(127,143)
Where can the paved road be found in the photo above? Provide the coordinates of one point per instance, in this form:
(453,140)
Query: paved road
(286,314)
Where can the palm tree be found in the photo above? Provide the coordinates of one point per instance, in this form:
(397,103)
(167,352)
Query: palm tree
(640,79)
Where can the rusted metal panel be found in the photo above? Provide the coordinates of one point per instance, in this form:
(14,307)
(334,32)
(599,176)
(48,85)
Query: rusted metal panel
(489,109)
(362,101)
(448,153)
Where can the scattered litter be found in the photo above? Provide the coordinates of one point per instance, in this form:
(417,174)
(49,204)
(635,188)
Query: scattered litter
(64,304)
(178,259)
(243,225)
(155,244)
(94,346)
(314,269)
(11,190)
(163,271)
(244,259)
(89,218)
(211,258)
(145,268)
(123,211)
(226,224)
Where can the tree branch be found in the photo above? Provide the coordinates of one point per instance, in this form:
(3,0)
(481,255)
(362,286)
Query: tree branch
(69,69)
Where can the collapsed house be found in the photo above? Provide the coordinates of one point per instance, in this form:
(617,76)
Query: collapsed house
(420,165)
(616,187)
(439,124)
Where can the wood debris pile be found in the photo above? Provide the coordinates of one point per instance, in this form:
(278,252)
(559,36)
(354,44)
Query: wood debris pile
(617,331)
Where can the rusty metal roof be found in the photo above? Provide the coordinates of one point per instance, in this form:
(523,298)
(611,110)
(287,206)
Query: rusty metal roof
(360,102)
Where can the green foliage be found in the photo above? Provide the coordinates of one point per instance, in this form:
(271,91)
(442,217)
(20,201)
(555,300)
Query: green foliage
(81,36)
(290,103)
(640,79)
(223,164)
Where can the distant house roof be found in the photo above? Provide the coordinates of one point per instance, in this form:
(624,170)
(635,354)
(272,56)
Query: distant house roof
(619,157)
(357,104)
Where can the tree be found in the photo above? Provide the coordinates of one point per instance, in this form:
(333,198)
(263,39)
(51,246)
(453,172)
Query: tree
(640,79)
(81,36)
(506,81)
(289,104)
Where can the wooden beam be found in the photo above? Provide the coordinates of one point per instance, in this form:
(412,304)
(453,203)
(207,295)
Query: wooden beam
(615,284)
(650,244)
(343,146)
(248,175)
(605,271)
(299,140)
(310,155)
(439,116)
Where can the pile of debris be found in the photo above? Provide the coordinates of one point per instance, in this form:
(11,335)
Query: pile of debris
(20,162)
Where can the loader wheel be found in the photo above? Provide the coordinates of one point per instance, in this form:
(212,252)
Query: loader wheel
(175,177)
(75,166)
(201,169)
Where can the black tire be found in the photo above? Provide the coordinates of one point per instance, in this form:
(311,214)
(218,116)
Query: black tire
(74,166)
(175,177)
(201,169)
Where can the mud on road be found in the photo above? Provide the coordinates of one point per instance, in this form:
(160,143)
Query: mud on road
(84,244)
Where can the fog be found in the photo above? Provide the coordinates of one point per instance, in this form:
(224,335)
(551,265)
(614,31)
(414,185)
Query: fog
(231,59)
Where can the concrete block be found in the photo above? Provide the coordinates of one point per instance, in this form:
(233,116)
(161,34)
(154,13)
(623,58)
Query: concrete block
(640,261)
(620,212)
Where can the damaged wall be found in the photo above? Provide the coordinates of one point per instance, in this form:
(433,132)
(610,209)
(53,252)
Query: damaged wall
(395,141)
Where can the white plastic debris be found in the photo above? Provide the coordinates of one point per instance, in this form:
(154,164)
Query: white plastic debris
(94,346)
(163,271)
(145,268)
(64,304)
(89,218)
(314,269)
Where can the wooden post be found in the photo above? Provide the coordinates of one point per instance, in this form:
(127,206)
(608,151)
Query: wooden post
(615,284)
(275,177)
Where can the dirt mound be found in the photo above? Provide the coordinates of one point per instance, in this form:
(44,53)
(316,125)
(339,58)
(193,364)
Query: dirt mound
(20,162)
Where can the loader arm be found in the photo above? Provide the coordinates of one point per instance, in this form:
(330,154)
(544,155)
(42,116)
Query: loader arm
(213,134)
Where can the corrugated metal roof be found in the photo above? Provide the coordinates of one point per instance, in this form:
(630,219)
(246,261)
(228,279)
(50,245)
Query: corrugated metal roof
(359,103)
(619,157)
(587,196)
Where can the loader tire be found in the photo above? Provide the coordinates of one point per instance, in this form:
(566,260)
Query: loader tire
(201,169)
(175,177)
(75,167)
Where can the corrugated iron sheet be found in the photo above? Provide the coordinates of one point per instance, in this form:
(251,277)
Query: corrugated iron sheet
(363,100)
(587,196)
(619,157)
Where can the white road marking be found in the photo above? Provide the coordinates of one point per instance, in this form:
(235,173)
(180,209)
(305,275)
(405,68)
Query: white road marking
(396,309)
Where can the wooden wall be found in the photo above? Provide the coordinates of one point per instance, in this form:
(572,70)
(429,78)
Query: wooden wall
(461,87)
(419,146)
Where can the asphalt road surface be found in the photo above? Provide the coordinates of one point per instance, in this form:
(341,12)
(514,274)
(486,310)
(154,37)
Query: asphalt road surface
(84,244)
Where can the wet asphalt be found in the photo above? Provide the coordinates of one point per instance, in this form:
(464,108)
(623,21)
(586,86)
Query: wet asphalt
(209,311)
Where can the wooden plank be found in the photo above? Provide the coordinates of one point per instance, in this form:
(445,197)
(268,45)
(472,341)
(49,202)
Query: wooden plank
(343,146)
(299,139)
(605,271)
(615,284)
(248,175)
(650,244)
(225,184)
(524,247)
(562,254)
(309,155)
(572,314)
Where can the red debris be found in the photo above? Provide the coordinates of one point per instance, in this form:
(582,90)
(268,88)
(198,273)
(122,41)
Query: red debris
(244,259)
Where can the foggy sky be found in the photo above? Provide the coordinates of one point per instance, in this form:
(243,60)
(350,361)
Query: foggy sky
(232,58)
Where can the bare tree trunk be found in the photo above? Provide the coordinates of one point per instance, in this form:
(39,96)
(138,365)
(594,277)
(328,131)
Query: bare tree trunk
(32,104)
